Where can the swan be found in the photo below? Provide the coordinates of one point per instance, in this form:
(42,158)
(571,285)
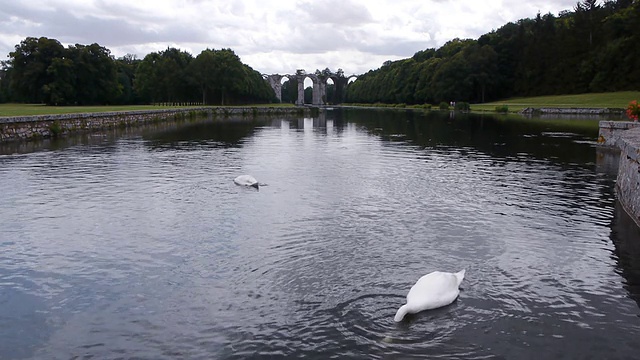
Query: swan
(247,180)
(433,290)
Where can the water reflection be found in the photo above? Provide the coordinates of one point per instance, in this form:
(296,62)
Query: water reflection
(625,235)
(500,136)
(228,132)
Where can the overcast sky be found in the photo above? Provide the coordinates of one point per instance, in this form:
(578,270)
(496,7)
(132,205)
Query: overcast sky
(272,36)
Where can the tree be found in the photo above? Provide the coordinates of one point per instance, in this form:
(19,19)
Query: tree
(96,77)
(126,69)
(201,71)
(62,90)
(483,70)
(163,77)
(147,79)
(29,63)
(44,71)
(290,91)
(227,75)
(173,79)
(585,13)
(451,80)
(5,75)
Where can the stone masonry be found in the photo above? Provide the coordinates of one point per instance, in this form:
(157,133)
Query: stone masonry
(625,135)
(44,126)
(628,180)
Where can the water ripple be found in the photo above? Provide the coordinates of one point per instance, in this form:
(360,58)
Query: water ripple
(142,246)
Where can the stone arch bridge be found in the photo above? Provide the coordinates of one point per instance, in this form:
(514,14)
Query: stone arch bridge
(319,79)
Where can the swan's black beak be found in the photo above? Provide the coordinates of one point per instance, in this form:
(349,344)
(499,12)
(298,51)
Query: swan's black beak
(256,185)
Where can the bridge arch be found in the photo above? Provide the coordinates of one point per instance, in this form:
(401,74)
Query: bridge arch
(319,81)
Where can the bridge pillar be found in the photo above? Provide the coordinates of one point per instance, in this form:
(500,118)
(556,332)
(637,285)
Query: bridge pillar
(323,92)
(275,82)
(300,100)
(316,92)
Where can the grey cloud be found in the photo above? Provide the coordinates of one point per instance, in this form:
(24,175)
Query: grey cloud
(107,31)
(338,12)
(398,48)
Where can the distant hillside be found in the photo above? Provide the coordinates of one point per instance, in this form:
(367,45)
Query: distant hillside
(591,48)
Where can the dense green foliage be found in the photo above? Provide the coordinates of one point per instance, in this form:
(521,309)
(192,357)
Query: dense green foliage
(41,70)
(593,48)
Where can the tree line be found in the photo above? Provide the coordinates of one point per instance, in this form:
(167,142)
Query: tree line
(42,70)
(591,48)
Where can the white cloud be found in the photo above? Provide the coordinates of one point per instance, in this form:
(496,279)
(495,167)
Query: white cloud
(272,36)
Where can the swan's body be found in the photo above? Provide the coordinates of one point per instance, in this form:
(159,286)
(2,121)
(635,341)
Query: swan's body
(432,291)
(246,180)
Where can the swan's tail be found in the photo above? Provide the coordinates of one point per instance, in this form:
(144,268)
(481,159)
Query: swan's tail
(460,276)
(401,313)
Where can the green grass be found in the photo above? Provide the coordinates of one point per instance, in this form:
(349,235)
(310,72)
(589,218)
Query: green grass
(617,100)
(38,109)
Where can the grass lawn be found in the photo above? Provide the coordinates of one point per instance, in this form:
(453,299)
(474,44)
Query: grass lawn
(618,100)
(38,109)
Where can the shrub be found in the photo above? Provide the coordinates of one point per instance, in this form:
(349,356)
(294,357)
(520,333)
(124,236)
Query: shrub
(502,109)
(462,106)
(55,129)
(444,106)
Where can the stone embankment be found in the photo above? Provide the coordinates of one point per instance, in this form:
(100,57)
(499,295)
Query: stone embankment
(571,111)
(625,136)
(45,126)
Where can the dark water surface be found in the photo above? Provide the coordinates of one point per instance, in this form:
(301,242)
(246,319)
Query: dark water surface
(139,245)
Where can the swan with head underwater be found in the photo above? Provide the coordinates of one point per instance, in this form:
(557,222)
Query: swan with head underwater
(434,290)
(247,180)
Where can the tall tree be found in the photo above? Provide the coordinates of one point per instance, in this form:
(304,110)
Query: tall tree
(227,75)
(483,70)
(96,80)
(29,62)
(147,79)
(62,90)
(126,68)
(5,75)
(201,71)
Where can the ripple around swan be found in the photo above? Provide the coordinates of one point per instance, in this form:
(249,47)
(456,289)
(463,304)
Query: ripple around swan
(368,320)
(366,324)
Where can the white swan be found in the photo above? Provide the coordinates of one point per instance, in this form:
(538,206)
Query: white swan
(432,291)
(246,180)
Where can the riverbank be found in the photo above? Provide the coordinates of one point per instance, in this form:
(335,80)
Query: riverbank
(572,111)
(611,100)
(45,126)
(625,136)
(628,181)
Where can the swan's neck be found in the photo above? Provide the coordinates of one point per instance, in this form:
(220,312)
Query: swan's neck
(401,313)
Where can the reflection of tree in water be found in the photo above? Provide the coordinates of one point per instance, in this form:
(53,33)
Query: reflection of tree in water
(560,141)
(225,132)
(625,235)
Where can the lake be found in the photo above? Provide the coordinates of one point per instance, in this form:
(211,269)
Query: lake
(136,243)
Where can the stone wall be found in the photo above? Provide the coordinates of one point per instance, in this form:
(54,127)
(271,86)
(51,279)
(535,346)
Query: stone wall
(45,126)
(628,180)
(572,111)
(611,131)
(625,136)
